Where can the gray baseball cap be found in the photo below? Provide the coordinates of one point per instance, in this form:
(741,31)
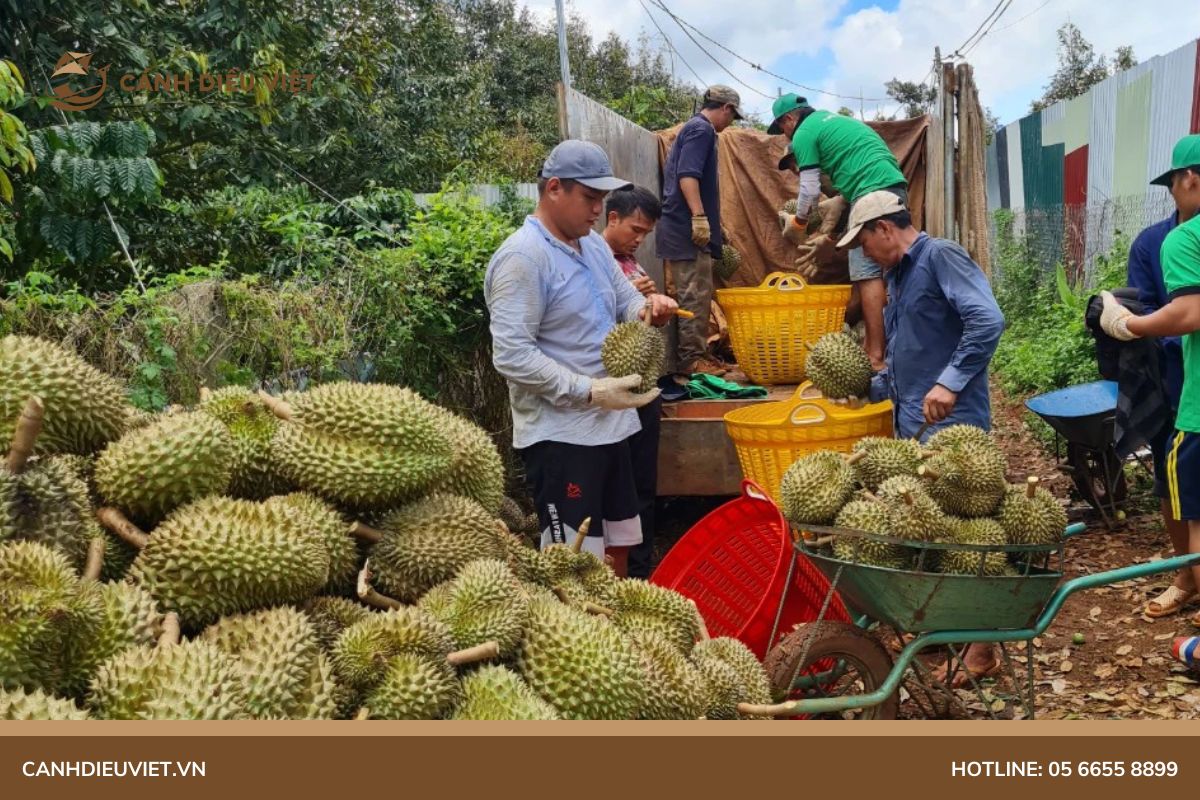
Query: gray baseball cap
(585,162)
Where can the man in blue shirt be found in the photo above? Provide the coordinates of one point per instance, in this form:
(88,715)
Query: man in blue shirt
(554,292)
(942,322)
(689,233)
(1146,275)
(942,326)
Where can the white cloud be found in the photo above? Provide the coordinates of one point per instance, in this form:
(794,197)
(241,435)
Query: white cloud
(870,46)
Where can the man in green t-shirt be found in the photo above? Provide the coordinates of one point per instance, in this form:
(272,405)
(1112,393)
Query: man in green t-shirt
(857,162)
(1180,317)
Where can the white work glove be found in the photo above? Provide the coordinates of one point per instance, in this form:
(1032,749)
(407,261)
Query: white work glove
(793,229)
(818,248)
(617,393)
(1114,319)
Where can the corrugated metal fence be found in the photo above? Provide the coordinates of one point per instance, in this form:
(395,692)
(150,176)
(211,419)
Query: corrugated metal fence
(489,193)
(1077,172)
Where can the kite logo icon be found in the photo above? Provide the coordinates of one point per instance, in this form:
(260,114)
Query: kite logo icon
(68,97)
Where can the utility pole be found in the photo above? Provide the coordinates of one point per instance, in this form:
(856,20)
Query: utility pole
(564,63)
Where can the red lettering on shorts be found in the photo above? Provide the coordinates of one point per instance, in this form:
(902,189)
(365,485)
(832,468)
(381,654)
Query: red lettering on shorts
(573,491)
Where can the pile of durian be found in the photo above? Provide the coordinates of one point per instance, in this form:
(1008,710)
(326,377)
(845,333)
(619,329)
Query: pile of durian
(951,491)
(332,554)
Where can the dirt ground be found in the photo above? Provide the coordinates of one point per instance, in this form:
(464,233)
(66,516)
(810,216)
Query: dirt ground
(1123,669)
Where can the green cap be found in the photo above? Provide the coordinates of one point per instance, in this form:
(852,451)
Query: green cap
(781,106)
(1186,154)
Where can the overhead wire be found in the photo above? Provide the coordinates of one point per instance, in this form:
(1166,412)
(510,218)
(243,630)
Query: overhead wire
(671,45)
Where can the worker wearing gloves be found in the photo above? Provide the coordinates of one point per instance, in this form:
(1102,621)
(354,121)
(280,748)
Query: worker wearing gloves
(689,234)
(943,325)
(554,292)
(1180,256)
(858,163)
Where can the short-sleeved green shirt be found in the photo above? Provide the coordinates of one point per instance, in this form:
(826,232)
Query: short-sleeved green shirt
(848,151)
(1181,274)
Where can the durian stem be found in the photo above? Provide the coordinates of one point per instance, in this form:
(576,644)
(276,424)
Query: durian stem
(906,493)
(480,652)
(368,594)
(869,495)
(363,713)
(117,522)
(704,634)
(856,456)
(756,710)
(365,532)
(1031,484)
(929,454)
(95,560)
(561,594)
(584,526)
(926,471)
(205,393)
(29,425)
(170,630)
(598,610)
(277,407)
(810,347)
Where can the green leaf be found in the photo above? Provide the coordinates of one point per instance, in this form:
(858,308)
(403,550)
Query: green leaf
(1065,295)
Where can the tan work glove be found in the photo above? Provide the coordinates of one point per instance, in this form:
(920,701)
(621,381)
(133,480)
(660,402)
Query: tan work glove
(832,209)
(701,233)
(794,229)
(1114,319)
(817,250)
(617,393)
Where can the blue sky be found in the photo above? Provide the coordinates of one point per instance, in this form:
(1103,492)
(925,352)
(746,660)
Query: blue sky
(850,46)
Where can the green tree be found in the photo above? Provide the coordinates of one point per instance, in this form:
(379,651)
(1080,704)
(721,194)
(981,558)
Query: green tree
(1079,67)
(915,99)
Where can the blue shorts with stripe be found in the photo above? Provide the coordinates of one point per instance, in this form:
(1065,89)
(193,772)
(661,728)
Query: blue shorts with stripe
(1183,475)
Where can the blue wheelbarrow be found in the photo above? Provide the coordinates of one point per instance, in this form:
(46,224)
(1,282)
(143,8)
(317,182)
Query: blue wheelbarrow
(1084,418)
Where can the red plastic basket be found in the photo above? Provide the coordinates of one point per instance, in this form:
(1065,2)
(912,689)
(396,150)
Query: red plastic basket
(734,564)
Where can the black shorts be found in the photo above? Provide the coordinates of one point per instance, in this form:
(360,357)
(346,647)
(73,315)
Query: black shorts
(572,482)
(1183,475)
(1158,450)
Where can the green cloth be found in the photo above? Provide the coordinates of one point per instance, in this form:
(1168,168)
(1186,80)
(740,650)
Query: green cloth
(703,386)
(853,156)
(1181,274)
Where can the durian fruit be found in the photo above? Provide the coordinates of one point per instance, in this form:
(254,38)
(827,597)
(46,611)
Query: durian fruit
(634,348)
(674,688)
(335,533)
(85,409)
(885,458)
(330,616)
(484,602)
(130,618)
(642,606)
(413,688)
(183,680)
(977,531)
(151,471)
(221,556)
(912,513)
(428,541)
(791,206)
(476,470)
(19,704)
(722,688)
(815,488)
(871,517)
(515,519)
(53,507)
(753,685)
(1030,515)
(729,262)
(364,446)
(965,471)
(580,664)
(251,427)
(283,669)
(497,693)
(576,575)
(839,367)
(42,607)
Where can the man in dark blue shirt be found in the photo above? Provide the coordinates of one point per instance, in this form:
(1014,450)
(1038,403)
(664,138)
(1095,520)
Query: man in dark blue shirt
(1146,275)
(942,321)
(689,233)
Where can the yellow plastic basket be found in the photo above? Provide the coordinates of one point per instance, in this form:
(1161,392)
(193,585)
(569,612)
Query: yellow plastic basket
(770,437)
(770,324)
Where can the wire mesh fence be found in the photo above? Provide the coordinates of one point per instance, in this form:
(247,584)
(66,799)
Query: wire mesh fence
(1075,235)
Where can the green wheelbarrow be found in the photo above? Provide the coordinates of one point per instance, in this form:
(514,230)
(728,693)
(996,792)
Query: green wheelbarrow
(844,670)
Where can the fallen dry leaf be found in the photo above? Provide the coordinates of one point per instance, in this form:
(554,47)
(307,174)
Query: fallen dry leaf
(1124,649)
(1066,666)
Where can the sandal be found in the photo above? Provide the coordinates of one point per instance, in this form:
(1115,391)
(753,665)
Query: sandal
(1169,602)
(1196,619)
(960,675)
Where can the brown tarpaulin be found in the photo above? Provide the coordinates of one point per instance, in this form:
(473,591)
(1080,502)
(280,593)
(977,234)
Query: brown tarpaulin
(753,189)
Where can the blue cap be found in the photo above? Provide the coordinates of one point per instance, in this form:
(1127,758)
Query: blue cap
(584,162)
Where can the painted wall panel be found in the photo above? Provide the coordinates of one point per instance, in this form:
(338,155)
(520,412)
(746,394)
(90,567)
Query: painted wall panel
(1054,124)
(1077,122)
(1000,147)
(1016,183)
(1031,157)
(1075,177)
(1170,106)
(992,178)
(1132,145)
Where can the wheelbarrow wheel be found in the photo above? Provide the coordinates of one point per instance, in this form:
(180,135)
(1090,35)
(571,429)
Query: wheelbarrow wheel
(850,660)
(1091,471)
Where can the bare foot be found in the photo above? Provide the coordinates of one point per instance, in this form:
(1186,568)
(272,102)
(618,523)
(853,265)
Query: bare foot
(980,661)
